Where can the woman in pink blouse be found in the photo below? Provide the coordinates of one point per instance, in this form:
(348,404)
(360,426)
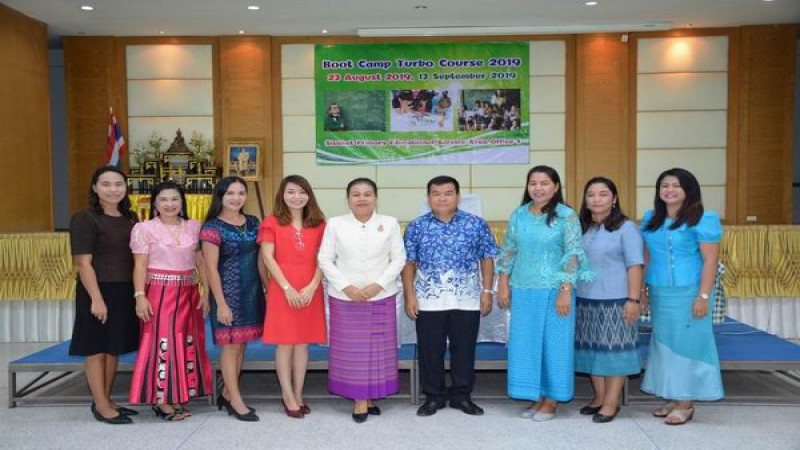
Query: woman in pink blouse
(172,364)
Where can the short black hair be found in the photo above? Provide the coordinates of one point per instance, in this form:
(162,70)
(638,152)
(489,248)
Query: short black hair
(444,179)
(362,180)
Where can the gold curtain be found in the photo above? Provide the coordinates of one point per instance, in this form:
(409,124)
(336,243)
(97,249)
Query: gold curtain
(36,267)
(762,261)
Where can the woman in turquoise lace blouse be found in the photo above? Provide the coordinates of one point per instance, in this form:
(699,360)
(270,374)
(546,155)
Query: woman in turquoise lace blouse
(681,253)
(542,259)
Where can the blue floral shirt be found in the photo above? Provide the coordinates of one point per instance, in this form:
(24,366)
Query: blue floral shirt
(447,255)
(542,256)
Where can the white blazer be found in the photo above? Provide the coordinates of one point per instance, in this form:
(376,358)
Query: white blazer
(358,254)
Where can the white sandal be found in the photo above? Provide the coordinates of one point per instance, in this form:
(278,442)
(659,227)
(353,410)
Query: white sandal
(665,409)
(683,416)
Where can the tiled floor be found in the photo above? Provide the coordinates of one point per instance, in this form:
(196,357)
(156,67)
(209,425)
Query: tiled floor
(716,426)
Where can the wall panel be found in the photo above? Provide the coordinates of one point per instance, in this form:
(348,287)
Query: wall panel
(25,117)
(94,83)
(246,97)
(766,105)
(601,113)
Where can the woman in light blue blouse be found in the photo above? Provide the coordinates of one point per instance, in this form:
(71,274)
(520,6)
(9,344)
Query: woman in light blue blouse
(542,259)
(682,249)
(606,335)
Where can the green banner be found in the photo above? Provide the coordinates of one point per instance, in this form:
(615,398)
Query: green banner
(450,103)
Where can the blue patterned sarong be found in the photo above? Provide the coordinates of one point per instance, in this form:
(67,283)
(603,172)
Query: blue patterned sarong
(604,344)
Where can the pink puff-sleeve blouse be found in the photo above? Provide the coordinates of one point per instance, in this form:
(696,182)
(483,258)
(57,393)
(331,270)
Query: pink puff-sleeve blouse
(169,247)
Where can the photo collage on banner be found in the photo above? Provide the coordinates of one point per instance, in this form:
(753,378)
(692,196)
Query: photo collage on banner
(450,103)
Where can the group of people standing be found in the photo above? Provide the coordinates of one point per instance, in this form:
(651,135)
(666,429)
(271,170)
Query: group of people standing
(575,282)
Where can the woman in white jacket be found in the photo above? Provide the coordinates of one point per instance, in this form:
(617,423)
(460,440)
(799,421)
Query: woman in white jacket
(361,256)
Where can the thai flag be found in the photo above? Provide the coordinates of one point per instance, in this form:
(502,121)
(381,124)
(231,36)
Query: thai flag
(115,143)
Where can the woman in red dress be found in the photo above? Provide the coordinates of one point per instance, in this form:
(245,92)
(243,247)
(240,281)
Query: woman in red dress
(290,240)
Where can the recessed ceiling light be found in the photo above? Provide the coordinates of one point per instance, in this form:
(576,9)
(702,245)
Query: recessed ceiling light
(769,0)
(590,3)
(420,7)
(87,8)
(161,31)
(241,31)
(253,7)
(324,31)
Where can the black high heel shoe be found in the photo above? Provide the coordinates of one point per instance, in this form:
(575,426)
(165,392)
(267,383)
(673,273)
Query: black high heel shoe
(127,411)
(249,417)
(590,410)
(360,417)
(223,402)
(116,420)
(602,418)
(173,416)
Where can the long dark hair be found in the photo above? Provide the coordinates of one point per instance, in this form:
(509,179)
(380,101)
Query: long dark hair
(163,186)
(615,218)
(124,206)
(219,191)
(692,209)
(312,214)
(558,197)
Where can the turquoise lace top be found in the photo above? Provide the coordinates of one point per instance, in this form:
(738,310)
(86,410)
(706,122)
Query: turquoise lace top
(538,255)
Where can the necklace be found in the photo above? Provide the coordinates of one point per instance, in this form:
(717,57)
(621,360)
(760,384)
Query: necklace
(176,236)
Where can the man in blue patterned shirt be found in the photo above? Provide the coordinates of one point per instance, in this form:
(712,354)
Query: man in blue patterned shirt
(447,286)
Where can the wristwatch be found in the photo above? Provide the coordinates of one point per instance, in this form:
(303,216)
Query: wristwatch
(704,296)
(634,300)
(285,288)
(487,291)
(138,294)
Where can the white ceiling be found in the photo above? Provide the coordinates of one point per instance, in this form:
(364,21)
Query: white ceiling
(344,17)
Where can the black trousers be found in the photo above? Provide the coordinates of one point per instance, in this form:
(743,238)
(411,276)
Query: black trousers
(434,329)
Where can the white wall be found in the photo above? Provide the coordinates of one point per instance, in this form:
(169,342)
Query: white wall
(682,103)
(169,87)
(402,187)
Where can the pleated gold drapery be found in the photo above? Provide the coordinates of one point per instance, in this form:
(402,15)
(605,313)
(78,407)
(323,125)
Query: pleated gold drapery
(36,267)
(762,261)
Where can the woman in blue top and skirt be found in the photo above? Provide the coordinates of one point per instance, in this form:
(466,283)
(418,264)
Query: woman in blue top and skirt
(606,335)
(682,249)
(542,259)
(235,278)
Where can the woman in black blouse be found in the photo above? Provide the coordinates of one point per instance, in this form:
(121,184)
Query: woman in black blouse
(105,318)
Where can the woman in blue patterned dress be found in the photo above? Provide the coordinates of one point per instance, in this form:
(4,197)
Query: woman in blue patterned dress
(681,253)
(606,335)
(235,275)
(541,260)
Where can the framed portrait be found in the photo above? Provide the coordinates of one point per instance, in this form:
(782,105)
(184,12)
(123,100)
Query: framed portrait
(243,159)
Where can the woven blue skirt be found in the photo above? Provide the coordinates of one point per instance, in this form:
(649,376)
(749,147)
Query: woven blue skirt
(540,347)
(604,344)
(683,363)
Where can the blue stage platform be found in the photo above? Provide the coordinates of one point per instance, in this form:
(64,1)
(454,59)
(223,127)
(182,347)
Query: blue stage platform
(54,363)
(741,347)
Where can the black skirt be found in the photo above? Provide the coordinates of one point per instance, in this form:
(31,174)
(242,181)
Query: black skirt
(120,333)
